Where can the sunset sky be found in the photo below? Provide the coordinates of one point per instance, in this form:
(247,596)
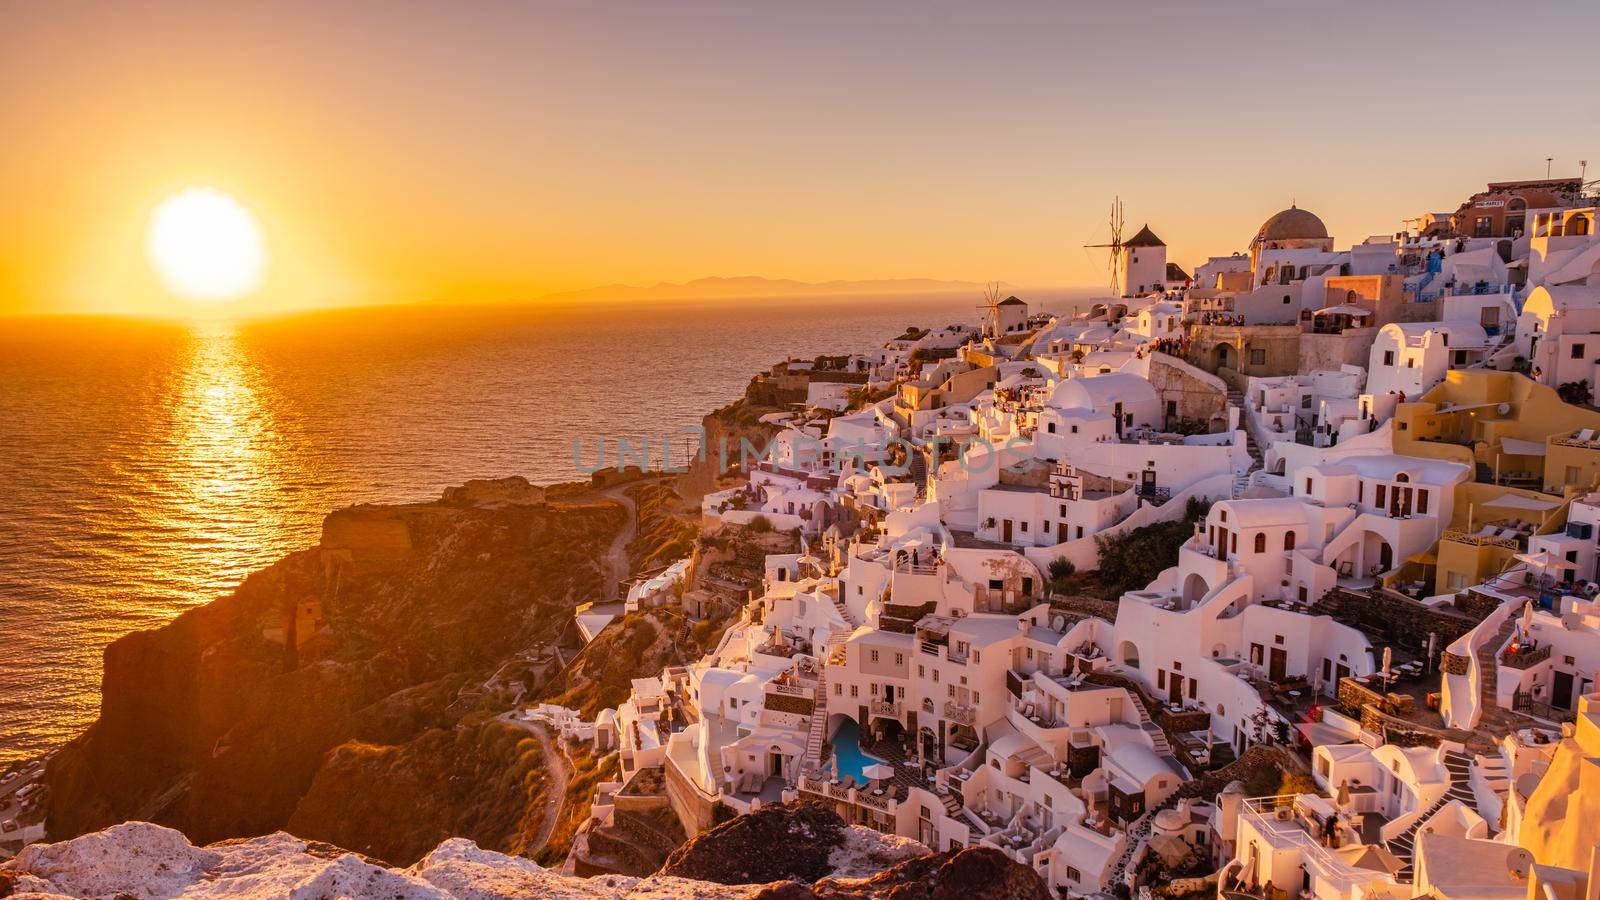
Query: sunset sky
(399,152)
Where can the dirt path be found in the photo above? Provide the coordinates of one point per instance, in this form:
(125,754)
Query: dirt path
(558,766)
(618,568)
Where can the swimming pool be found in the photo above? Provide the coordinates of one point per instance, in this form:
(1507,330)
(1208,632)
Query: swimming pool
(848,758)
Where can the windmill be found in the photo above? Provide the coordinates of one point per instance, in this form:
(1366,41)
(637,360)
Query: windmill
(1115,261)
(991,304)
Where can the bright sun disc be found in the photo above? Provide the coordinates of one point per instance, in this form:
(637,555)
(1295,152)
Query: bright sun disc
(206,246)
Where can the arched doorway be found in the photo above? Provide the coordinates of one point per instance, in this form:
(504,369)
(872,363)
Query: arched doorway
(1377,556)
(1128,654)
(1224,357)
(1194,589)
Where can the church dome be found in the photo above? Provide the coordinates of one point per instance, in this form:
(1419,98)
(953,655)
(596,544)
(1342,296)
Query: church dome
(1293,224)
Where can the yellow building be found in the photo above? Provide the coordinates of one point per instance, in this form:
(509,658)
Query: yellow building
(1532,454)
(1516,431)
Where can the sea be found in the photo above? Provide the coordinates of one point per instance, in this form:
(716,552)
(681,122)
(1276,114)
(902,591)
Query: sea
(147,467)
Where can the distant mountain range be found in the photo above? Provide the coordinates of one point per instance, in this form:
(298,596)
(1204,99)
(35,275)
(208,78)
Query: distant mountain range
(748,286)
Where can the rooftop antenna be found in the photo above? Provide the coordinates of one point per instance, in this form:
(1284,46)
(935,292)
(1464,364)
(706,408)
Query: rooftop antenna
(1547,161)
(1115,262)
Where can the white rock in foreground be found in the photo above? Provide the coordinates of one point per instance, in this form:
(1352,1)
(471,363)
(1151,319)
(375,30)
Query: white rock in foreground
(150,862)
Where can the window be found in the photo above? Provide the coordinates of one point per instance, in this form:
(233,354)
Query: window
(855,690)
(1074,429)
(1261,542)
(1074,876)
(1258,357)
(1161,679)
(1024,524)
(922,671)
(838,689)
(1577,351)
(1288,541)
(1233,542)
(974,698)
(1308,485)
(874,656)
(1063,511)
(1422,502)
(1481,226)
(1388,357)
(1051,428)
(899,659)
(1378,494)
(950,690)
(1222,515)
(977,656)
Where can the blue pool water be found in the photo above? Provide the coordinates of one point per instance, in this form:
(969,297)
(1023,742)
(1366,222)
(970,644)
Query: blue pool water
(848,758)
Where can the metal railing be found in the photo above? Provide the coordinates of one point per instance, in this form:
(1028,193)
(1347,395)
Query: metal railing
(1525,659)
(1264,813)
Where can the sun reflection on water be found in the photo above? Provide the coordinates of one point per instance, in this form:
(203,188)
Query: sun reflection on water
(226,466)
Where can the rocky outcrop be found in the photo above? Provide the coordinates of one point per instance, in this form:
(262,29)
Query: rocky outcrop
(976,873)
(351,665)
(514,490)
(140,860)
(149,862)
(787,842)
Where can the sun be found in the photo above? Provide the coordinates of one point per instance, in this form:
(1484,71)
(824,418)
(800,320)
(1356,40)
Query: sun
(206,246)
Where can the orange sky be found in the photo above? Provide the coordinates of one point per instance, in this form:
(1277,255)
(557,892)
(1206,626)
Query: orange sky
(406,152)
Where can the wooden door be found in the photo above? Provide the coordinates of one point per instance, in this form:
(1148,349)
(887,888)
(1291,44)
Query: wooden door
(1278,669)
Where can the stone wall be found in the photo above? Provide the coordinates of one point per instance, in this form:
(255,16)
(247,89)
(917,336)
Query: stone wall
(1194,399)
(1085,605)
(1398,619)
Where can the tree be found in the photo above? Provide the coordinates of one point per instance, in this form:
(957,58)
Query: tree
(1577,393)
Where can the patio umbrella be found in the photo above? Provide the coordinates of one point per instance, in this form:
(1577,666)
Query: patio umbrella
(1373,857)
(878,772)
(1545,560)
(1342,798)
(1527,618)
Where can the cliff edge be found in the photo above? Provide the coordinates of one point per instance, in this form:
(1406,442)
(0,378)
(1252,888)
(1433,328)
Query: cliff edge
(374,658)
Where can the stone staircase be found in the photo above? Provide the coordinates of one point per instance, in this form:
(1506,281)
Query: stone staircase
(1404,845)
(919,473)
(1491,714)
(846,614)
(819,719)
(817,734)
(1242,480)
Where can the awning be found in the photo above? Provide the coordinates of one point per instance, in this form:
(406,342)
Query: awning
(1344,309)
(1511,500)
(1519,447)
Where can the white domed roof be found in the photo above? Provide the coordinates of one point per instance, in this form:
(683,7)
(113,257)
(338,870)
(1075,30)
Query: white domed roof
(1102,392)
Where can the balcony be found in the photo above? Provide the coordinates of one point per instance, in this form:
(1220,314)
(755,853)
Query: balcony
(1523,658)
(888,708)
(1488,537)
(960,713)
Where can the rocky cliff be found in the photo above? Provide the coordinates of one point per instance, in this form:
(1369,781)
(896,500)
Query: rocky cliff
(150,862)
(346,684)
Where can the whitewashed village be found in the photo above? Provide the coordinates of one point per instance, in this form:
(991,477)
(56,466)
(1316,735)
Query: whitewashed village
(1371,670)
